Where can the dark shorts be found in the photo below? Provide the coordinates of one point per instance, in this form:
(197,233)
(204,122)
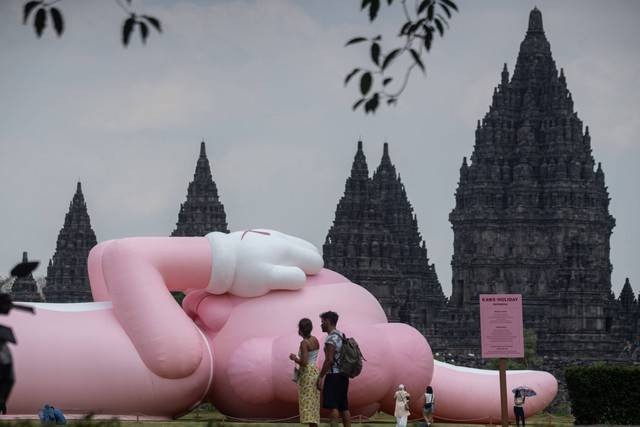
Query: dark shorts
(334,392)
(518,411)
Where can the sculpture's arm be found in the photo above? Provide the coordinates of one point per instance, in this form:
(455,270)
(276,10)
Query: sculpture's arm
(135,274)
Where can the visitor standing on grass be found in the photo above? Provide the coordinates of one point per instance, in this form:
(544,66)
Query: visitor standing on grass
(429,406)
(402,411)
(518,407)
(307,374)
(336,385)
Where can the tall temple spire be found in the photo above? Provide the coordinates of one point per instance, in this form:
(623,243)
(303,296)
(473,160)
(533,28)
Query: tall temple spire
(627,298)
(67,278)
(25,288)
(424,296)
(202,212)
(528,209)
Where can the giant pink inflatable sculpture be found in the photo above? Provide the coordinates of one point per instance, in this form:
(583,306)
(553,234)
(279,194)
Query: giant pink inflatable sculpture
(136,352)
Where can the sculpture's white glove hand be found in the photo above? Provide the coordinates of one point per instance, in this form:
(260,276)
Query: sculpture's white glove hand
(253,262)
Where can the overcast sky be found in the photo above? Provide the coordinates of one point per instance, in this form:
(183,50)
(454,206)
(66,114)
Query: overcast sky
(261,83)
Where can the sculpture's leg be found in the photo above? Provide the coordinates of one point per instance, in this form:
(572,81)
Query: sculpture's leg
(469,395)
(78,358)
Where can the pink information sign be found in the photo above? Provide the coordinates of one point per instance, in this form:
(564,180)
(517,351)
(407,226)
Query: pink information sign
(501,325)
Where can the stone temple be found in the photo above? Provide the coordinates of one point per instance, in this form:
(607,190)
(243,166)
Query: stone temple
(67,274)
(531,216)
(532,213)
(25,288)
(202,212)
(374,241)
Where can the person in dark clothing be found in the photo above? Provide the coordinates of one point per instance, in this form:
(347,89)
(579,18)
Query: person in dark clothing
(518,407)
(336,385)
(6,375)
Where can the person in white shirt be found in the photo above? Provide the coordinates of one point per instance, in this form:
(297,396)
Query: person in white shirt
(402,411)
(429,406)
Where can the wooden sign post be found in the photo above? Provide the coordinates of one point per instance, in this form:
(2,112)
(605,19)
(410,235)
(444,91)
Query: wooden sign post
(502,336)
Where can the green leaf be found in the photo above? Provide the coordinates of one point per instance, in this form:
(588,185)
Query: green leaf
(372,104)
(423,6)
(387,81)
(439,26)
(374,7)
(428,37)
(392,101)
(375,53)
(364,4)
(390,57)
(41,21)
(28,8)
(430,12)
(58,22)
(350,75)
(446,10)
(355,40)
(365,83)
(389,2)
(153,21)
(405,27)
(127,27)
(144,31)
(357,104)
(450,3)
(443,20)
(416,58)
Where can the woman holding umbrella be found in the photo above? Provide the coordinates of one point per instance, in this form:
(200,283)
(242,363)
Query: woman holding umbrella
(518,402)
(518,410)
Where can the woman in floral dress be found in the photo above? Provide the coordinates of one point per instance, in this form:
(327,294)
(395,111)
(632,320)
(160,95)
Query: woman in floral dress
(307,374)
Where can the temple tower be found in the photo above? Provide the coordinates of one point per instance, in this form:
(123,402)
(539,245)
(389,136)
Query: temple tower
(626,310)
(357,244)
(25,288)
(67,276)
(202,212)
(374,241)
(419,286)
(531,212)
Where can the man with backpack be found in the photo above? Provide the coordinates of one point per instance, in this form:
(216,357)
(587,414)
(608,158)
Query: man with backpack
(336,380)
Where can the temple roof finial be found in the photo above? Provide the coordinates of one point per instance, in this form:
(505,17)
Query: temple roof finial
(385,161)
(505,75)
(25,258)
(203,150)
(359,169)
(79,187)
(535,21)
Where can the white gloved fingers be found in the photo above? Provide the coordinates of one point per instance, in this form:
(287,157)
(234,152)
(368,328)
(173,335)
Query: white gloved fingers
(285,277)
(309,261)
(300,242)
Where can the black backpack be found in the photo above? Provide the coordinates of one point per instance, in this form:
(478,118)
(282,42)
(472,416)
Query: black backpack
(350,360)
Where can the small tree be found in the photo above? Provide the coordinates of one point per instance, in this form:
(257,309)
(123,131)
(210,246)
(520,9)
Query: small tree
(530,359)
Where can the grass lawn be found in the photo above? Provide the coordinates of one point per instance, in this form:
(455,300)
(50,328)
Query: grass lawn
(207,418)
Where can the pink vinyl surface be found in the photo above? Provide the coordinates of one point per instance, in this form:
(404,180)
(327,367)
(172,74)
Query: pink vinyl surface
(138,353)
